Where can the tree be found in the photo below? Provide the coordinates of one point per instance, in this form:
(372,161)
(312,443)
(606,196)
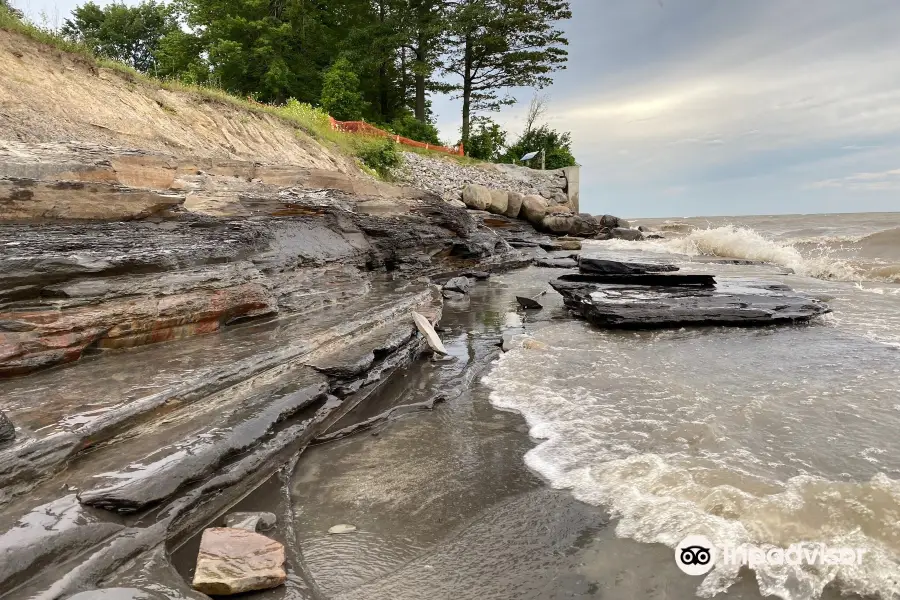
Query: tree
(537,108)
(494,45)
(130,34)
(341,97)
(487,141)
(556,146)
(425,21)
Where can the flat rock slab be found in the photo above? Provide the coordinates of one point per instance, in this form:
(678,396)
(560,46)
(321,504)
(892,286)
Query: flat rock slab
(733,303)
(233,561)
(648,279)
(601,266)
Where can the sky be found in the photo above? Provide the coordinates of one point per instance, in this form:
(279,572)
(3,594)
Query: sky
(718,107)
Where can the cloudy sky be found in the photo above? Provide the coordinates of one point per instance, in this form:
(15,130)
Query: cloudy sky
(724,107)
(721,107)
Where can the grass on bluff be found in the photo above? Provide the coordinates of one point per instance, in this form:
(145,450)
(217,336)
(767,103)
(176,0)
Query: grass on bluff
(377,156)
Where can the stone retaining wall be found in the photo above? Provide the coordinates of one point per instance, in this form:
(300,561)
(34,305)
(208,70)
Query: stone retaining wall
(447,178)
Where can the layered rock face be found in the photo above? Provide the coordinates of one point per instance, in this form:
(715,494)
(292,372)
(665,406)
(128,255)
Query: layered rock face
(286,296)
(197,264)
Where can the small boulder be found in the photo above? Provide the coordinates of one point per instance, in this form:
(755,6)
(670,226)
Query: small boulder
(514,204)
(476,196)
(621,233)
(557,209)
(458,284)
(456,203)
(499,202)
(533,209)
(584,225)
(529,303)
(558,223)
(7,429)
(234,561)
(608,221)
(250,521)
(559,198)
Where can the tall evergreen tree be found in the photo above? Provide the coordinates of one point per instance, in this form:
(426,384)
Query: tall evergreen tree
(495,45)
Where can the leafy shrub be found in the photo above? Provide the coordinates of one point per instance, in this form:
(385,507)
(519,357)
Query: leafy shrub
(486,141)
(341,96)
(379,154)
(410,127)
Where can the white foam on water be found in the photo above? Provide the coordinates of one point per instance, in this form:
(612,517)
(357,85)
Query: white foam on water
(819,260)
(662,462)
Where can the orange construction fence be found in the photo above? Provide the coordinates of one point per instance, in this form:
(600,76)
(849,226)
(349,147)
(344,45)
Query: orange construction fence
(363,128)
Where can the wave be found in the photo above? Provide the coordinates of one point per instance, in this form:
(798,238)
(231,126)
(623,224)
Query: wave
(884,244)
(615,445)
(811,257)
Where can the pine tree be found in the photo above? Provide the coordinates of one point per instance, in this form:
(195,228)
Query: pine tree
(498,44)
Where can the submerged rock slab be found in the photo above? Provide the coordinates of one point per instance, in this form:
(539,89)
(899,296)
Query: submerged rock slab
(233,561)
(734,303)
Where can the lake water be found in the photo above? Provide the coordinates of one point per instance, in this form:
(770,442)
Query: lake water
(765,437)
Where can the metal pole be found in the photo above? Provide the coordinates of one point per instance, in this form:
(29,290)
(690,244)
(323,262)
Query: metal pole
(543,160)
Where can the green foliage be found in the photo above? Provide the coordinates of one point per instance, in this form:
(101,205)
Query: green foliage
(486,141)
(494,45)
(380,154)
(129,34)
(341,97)
(557,146)
(410,127)
(180,56)
(312,117)
(7,11)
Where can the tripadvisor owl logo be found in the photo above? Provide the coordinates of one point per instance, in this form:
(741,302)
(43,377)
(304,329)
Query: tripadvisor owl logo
(695,555)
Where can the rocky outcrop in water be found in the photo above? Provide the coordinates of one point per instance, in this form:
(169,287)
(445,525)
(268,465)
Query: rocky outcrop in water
(620,295)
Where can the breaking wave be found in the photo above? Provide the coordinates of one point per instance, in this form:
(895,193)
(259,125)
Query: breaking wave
(668,459)
(872,259)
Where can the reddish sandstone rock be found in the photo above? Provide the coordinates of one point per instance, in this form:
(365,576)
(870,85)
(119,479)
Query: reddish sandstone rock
(34,339)
(233,561)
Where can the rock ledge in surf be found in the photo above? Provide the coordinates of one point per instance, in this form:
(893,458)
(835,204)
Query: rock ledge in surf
(734,303)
